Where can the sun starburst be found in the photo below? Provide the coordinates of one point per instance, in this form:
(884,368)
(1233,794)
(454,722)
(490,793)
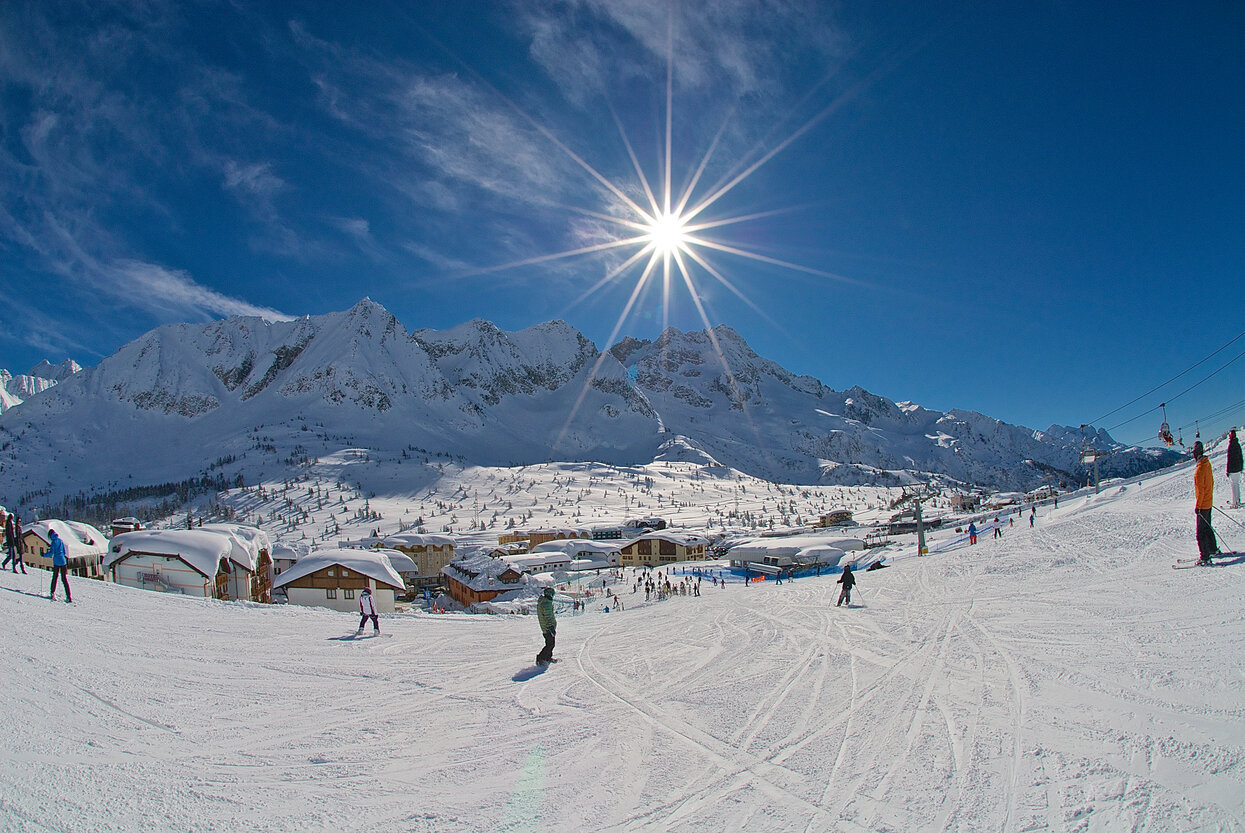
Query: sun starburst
(667,234)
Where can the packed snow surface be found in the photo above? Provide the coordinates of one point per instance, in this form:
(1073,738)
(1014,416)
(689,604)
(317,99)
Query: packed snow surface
(1060,678)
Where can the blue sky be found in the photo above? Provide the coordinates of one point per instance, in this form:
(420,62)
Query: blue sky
(1033,210)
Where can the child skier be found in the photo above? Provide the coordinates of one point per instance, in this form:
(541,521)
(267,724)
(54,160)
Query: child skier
(367,607)
(847,580)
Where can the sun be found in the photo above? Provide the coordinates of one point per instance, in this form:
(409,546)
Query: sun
(667,234)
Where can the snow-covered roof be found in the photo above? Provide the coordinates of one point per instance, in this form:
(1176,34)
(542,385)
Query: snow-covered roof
(247,542)
(528,562)
(758,548)
(480,571)
(401,562)
(372,563)
(288,551)
(416,539)
(80,539)
(574,546)
(256,536)
(202,549)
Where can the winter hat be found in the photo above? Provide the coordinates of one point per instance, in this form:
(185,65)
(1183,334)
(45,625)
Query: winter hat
(549,592)
(1197,449)
(367,590)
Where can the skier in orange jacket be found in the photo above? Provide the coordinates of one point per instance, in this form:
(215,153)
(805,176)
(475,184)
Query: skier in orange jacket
(1204,494)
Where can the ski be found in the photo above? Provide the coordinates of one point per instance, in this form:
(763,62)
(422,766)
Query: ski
(1213,555)
(1188,565)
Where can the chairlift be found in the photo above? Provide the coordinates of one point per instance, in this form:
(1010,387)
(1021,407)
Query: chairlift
(1165,431)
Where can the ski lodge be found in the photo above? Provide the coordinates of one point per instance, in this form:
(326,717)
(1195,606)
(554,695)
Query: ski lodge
(479,577)
(430,553)
(334,578)
(85,546)
(216,561)
(667,547)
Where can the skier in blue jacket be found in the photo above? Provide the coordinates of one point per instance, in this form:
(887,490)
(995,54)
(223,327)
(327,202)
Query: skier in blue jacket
(60,564)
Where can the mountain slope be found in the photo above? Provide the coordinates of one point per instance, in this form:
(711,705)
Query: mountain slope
(1059,678)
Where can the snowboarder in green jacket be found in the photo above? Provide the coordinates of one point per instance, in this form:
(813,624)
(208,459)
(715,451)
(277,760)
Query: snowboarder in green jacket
(548,625)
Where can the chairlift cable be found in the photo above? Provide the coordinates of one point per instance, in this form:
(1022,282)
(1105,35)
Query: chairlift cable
(1164,384)
(1206,378)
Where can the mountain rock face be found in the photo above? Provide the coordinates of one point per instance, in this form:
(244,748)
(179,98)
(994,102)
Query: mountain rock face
(14,390)
(254,397)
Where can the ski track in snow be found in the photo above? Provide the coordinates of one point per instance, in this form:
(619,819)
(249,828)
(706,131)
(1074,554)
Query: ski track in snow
(1062,678)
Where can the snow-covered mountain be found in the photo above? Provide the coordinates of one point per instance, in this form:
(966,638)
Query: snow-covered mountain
(14,390)
(248,396)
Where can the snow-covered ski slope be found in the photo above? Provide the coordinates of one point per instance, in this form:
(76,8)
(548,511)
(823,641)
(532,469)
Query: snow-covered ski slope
(1063,678)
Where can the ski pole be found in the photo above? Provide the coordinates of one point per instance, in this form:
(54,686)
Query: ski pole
(1224,514)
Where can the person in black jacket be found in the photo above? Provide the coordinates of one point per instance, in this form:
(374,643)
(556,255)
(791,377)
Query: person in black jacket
(848,581)
(1234,468)
(13,543)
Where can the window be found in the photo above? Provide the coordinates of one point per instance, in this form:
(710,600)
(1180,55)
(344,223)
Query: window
(332,572)
(330,594)
(348,594)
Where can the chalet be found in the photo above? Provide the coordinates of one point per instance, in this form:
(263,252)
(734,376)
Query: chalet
(513,537)
(213,563)
(259,549)
(658,548)
(429,552)
(540,536)
(836,517)
(334,578)
(583,549)
(637,525)
(122,525)
(477,577)
(286,555)
(85,546)
(406,567)
(798,552)
(965,503)
(540,562)
(607,533)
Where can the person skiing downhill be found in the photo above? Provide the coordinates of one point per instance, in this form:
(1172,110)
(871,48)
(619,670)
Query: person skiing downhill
(1235,466)
(60,565)
(1204,495)
(548,626)
(367,607)
(848,581)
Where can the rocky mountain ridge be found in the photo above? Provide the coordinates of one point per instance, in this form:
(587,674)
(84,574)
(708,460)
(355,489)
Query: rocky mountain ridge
(249,397)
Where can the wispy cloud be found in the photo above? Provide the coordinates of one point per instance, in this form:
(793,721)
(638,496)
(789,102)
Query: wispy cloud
(736,48)
(176,292)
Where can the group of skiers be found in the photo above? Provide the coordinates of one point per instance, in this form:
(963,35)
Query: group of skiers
(12,526)
(1204,494)
(12,540)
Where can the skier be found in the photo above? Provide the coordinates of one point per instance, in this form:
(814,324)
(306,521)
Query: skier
(1234,468)
(1204,494)
(848,581)
(13,542)
(367,607)
(60,565)
(548,626)
(972,533)
(1032,515)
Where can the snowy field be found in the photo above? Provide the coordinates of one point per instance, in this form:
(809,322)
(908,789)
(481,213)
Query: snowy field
(1061,678)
